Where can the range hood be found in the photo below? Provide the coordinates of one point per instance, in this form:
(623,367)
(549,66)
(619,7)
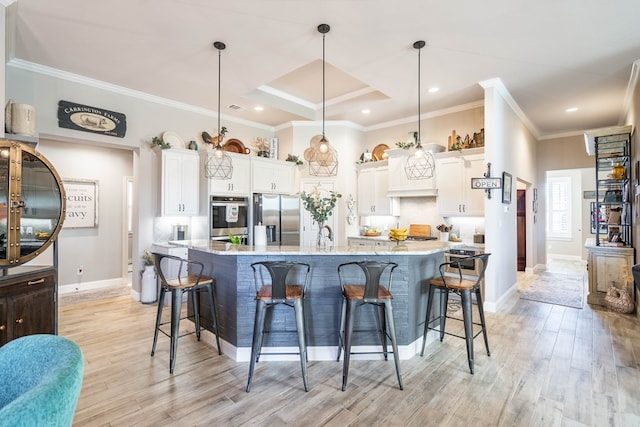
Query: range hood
(610,134)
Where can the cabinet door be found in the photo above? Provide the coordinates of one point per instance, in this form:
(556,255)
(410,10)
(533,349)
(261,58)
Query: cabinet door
(473,199)
(33,313)
(366,192)
(180,179)
(273,176)
(190,177)
(455,195)
(240,182)
(4,326)
(449,178)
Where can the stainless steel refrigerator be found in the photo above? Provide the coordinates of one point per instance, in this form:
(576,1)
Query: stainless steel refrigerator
(281,215)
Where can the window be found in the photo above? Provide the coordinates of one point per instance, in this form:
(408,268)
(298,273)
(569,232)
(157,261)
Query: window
(559,207)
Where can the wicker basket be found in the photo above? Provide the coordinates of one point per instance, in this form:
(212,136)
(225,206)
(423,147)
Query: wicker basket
(618,300)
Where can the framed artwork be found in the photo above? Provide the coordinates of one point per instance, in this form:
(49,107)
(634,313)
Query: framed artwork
(506,188)
(82,203)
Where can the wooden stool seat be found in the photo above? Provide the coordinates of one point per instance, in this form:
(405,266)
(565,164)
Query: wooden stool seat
(453,283)
(291,292)
(189,282)
(357,292)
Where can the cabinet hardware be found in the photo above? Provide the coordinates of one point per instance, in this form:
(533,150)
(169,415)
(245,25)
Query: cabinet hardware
(35,282)
(20,321)
(2,327)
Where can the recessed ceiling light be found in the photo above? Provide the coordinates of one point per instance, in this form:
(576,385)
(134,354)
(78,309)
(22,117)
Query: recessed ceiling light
(258,108)
(366,111)
(571,110)
(433,89)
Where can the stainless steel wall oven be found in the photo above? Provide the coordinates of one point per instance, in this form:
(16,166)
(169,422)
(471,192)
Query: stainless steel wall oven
(228,215)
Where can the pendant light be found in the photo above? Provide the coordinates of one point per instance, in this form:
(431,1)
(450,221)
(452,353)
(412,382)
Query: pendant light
(322,158)
(420,165)
(218,164)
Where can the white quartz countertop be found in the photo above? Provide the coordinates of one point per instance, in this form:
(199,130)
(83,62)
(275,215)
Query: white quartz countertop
(221,248)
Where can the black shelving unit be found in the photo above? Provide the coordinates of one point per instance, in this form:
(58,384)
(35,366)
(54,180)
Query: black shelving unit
(612,213)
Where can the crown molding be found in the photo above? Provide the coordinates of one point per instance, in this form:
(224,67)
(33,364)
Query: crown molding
(429,115)
(109,87)
(496,83)
(629,93)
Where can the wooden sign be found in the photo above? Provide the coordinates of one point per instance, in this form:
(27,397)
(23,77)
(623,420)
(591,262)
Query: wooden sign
(486,183)
(91,119)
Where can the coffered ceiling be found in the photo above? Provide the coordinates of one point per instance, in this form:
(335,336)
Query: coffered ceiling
(551,55)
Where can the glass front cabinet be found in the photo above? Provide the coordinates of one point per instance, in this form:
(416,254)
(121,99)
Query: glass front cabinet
(32,203)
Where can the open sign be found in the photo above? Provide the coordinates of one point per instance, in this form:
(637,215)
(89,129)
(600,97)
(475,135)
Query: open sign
(486,183)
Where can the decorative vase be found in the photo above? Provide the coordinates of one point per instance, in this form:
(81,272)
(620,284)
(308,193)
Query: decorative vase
(618,171)
(148,284)
(444,236)
(321,241)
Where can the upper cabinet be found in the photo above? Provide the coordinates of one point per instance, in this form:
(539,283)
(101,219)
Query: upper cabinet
(398,183)
(273,176)
(372,191)
(179,182)
(240,182)
(455,195)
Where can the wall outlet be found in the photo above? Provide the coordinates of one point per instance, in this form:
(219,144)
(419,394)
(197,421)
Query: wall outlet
(80,270)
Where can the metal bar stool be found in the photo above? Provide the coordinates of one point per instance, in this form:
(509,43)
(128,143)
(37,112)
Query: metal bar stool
(355,294)
(465,288)
(274,285)
(193,283)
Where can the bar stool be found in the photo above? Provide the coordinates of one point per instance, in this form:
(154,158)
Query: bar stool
(193,283)
(464,287)
(355,294)
(274,285)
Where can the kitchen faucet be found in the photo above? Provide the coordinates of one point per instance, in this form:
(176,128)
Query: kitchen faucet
(330,236)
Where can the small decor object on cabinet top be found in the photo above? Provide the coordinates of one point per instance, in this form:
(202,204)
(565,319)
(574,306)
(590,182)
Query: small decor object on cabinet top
(618,171)
(262,145)
(294,159)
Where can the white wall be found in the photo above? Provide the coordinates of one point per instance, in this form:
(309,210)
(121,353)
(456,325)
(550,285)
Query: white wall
(98,250)
(510,147)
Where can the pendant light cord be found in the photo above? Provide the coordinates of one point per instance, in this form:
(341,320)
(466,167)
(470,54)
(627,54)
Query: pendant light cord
(219,79)
(418,141)
(323,90)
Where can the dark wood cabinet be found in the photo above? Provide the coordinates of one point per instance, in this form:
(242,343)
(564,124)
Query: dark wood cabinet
(28,302)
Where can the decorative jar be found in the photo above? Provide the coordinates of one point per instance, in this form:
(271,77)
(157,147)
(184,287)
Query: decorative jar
(618,171)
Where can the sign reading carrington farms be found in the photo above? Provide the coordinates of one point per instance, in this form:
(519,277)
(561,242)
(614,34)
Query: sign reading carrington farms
(91,119)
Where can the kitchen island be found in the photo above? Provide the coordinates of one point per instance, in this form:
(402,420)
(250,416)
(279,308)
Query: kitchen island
(230,265)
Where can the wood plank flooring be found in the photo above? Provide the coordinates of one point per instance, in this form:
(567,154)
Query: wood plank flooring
(549,366)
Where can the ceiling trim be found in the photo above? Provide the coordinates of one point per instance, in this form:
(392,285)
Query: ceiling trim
(109,87)
(7,3)
(429,115)
(316,123)
(631,87)
(497,84)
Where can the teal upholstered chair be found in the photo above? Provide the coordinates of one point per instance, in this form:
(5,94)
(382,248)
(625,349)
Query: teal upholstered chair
(40,381)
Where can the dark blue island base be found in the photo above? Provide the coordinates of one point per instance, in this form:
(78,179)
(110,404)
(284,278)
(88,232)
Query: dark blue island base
(235,293)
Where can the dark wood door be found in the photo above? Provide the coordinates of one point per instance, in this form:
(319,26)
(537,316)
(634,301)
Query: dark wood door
(33,313)
(522,229)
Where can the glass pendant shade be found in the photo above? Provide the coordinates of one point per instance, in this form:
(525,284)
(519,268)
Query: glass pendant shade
(218,164)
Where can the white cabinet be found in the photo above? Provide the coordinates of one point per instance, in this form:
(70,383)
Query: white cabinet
(273,176)
(453,176)
(399,184)
(363,241)
(240,182)
(607,265)
(372,192)
(180,175)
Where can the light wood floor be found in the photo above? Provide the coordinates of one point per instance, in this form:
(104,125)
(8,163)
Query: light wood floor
(549,366)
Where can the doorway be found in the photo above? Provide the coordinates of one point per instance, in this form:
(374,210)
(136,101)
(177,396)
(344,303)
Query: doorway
(521,228)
